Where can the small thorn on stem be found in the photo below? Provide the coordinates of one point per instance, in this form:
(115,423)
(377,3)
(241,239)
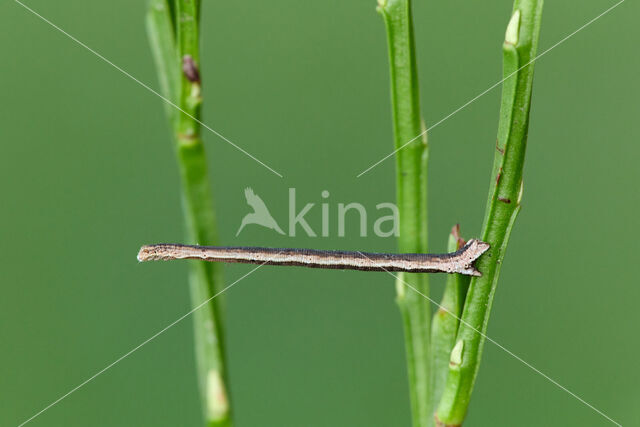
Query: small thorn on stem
(455,232)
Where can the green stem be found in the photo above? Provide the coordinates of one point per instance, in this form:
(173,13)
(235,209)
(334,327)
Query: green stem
(411,181)
(175,43)
(503,204)
(162,39)
(445,322)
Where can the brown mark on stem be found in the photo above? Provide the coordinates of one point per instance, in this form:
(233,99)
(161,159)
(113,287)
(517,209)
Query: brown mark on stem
(504,200)
(187,136)
(500,150)
(190,69)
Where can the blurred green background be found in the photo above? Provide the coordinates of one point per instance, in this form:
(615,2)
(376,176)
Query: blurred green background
(88,175)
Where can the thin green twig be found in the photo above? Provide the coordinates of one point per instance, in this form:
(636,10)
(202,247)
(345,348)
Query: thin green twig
(411,181)
(444,327)
(503,204)
(174,34)
(162,38)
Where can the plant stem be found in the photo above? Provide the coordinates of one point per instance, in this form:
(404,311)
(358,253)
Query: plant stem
(174,35)
(162,38)
(411,182)
(446,321)
(502,207)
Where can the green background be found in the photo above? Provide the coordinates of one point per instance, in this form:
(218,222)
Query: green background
(88,175)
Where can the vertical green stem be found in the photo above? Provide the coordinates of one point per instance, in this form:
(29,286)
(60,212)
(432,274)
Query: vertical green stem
(174,35)
(411,181)
(162,38)
(503,204)
(446,321)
